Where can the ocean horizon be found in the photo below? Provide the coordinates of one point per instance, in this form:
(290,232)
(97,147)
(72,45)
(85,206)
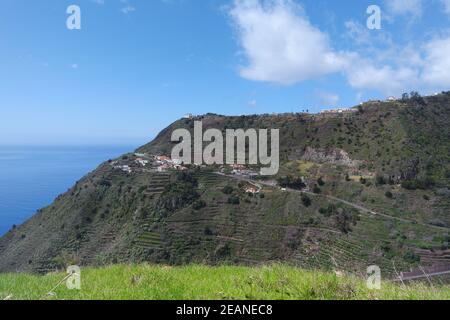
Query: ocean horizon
(33,176)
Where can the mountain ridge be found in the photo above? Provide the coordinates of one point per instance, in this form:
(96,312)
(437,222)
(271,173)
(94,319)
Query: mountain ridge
(390,157)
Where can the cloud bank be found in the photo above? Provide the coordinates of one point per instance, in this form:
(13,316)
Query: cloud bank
(282,46)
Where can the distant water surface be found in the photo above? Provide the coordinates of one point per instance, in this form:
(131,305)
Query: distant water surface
(32,177)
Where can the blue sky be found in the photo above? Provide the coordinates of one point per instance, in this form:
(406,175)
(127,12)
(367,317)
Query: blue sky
(137,65)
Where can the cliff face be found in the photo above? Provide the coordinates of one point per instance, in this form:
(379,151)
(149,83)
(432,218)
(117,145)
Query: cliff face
(377,185)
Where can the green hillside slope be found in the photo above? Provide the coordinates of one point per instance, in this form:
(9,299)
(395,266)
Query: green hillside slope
(377,192)
(200,282)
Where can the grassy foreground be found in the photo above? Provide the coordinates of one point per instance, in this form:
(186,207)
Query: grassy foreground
(202,282)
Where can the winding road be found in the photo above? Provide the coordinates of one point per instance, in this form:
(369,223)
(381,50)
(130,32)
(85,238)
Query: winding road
(273,184)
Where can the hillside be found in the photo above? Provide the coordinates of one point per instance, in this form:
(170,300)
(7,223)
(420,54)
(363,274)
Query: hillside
(193,282)
(377,191)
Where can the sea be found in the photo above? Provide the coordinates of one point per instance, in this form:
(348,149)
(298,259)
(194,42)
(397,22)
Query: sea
(31,177)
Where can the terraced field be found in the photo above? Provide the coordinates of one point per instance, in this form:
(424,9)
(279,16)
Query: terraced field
(395,215)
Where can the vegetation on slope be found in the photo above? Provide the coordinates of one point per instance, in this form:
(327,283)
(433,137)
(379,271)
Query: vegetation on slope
(378,181)
(200,282)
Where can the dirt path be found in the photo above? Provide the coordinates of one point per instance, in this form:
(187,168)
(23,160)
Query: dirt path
(273,184)
(424,276)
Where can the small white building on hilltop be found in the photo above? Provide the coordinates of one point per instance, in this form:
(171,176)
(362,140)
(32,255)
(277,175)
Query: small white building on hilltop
(338,111)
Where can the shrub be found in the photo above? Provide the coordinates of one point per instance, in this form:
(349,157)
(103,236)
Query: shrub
(411,257)
(320,181)
(105,183)
(306,200)
(291,182)
(233,200)
(415,184)
(316,189)
(360,109)
(379,180)
(389,195)
(227,190)
(199,204)
(345,220)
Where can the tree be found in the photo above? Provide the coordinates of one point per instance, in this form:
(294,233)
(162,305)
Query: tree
(199,204)
(306,200)
(379,179)
(227,190)
(233,200)
(321,182)
(360,109)
(291,182)
(316,189)
(417,98)
(414,95)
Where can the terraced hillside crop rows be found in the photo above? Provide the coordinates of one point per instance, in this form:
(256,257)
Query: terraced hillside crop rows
(377,191)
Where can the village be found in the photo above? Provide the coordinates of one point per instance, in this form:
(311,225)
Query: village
(140,162)
(145,163)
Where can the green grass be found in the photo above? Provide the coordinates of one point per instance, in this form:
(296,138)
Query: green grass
(201,282)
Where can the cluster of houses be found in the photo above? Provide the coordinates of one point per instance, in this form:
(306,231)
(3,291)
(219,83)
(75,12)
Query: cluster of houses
(142,162)
(241,170)
(352,110)
(161,163)
(339,111)
(124,168)
(165,163)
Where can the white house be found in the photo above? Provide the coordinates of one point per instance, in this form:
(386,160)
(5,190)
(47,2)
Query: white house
(142,162)
(252,190)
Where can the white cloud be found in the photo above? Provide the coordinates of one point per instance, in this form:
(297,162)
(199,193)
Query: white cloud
(280,43)
(128,9)
(98,1)
(437,63)
(327,98)
(281,46)
(357,32)
(386,79)
(405,7)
